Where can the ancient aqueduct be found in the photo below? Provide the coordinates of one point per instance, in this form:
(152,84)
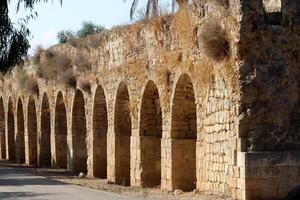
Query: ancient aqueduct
(152,117)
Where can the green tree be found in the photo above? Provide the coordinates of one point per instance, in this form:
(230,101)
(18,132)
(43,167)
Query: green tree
(14,42)
(64,36)
(89,28)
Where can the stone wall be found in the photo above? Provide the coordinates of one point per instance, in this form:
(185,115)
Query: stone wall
(269,112)
(159,111)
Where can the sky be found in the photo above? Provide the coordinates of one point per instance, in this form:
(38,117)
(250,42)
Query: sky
(54,17)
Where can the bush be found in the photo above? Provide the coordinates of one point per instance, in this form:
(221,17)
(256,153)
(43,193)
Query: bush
(65,36)
(69,79)
(213,40)
(32,85)
(37,55)
(81,62)
(89,28)
(53,64)
(85,86)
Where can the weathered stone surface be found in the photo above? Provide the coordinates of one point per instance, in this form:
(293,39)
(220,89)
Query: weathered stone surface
(159,112)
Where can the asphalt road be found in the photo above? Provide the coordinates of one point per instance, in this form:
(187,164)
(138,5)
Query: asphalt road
(17,184)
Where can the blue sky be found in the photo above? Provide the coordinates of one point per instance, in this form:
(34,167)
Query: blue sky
(52,17)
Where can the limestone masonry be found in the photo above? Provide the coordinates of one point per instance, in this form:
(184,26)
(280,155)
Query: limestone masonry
(155,110)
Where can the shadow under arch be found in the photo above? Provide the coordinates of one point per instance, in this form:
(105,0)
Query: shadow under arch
(100,128)
(45,139)
(79,134)
(122,129)
(150,136)
(2,131)
(184,135)
(60,133)
(20,133)
(32,132)
(11,130)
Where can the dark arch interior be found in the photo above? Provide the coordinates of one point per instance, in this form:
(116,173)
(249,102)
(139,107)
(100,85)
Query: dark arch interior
(100,126)
(150,134)
(2,131)
(79,134)
(11,131)
(122,128)
(184,135)
(61,146)
(20,133)
(45,142)
(32,132)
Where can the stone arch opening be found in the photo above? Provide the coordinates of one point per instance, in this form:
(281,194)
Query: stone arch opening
(11,131)
(100,127)
(272,11)
(184,135)
(45,139)
(150,136)
(2,131)
(20,133)
(61,145)
(32,132)
(122,128)
(79,134)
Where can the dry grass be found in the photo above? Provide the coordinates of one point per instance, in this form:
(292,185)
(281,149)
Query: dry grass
(81,62)
(213,40)
(37,56)
(223,3)
(69,79)
(22,77)
(32,85)
(52,64)
(85,86)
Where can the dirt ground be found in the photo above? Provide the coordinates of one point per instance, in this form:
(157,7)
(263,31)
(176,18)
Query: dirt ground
(102,184)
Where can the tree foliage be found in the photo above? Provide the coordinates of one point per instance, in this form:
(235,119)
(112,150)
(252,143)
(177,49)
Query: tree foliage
(65,36)
(14,42)
(88,28)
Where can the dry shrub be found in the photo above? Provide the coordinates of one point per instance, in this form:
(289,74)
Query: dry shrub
(32,85)
(81,62)
(213,40)
(79,43)
(94,41)
(69,79)
(37,55)
(204,71)
(85,86)
(53,64)
(223,3)
(185,25)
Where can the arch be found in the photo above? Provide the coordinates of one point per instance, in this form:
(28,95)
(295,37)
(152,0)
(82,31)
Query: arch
(11,131)
(60,132)
(100,127)
(20,133)
(122,128)
(2,131)
(79,134)
(45,140)
(150,136)
(32,132)
(184,135)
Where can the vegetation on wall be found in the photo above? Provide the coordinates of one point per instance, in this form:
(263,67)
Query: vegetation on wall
(88,28)
(14,42)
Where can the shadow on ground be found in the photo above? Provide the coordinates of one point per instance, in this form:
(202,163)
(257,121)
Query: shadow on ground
(15,195)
